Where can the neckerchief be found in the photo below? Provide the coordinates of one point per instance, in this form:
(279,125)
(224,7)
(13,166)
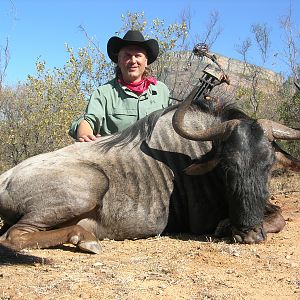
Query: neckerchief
(139,87)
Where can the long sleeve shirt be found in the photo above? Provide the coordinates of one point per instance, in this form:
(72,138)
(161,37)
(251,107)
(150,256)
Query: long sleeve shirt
(113,107)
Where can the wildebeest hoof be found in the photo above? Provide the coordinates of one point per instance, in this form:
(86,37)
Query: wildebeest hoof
(84,240)
(90,246)
(252,236)
(74,239)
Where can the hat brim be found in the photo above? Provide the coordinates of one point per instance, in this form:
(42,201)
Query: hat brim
(115,44)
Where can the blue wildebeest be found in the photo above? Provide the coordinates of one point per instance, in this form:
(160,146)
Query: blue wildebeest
(182,170)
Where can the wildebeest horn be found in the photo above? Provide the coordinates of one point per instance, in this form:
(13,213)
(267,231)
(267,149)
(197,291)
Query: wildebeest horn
(285,159)
(278,131)
(272,129)
(297,85)
(221,131)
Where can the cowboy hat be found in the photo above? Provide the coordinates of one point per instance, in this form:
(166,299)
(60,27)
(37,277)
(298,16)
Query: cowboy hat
(132,37)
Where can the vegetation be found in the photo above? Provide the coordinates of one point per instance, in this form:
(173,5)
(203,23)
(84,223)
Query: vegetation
(35,115)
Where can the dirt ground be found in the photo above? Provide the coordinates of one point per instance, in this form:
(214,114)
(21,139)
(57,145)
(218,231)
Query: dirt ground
(181,267)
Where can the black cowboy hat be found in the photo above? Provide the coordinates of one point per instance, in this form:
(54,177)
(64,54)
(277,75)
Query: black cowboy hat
(132,37)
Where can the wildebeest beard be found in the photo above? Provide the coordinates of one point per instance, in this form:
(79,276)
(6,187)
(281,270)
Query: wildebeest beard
(246,160)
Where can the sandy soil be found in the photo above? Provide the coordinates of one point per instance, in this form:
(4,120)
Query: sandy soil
(181,267)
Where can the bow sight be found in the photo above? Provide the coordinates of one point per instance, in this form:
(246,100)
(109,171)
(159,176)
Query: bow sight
(209,79)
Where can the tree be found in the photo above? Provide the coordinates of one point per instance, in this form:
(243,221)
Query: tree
(253,90)
(291,53)
(4,60)
(289,110)
(36,115)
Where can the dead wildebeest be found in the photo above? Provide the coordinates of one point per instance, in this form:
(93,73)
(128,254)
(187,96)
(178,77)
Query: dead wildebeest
(182,170)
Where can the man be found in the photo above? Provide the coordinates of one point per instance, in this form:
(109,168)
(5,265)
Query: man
(130,96)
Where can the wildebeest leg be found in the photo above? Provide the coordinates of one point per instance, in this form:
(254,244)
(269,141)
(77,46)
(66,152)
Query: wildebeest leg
(19,238)
(54,201)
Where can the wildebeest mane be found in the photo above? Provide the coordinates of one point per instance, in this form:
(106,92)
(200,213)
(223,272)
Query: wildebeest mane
(142,128)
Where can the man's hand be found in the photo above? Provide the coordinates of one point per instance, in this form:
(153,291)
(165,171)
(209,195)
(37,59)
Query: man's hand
(88,138)
(85,132)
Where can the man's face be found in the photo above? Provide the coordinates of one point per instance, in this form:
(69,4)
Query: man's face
(132,61)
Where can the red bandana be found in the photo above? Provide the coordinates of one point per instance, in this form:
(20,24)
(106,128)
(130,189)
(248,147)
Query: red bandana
(139,87)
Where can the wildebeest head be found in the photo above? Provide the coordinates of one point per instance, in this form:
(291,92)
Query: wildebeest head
(244,151)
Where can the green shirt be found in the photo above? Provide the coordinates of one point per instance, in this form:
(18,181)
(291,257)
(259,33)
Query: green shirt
(113,107)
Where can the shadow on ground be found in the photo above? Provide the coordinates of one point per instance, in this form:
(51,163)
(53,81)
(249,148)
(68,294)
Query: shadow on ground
(9,257)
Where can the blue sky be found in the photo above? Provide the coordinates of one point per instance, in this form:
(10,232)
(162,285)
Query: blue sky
(40,28)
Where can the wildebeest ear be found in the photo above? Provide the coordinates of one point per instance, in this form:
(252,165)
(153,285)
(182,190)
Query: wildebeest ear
(285,160)
(201,168)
